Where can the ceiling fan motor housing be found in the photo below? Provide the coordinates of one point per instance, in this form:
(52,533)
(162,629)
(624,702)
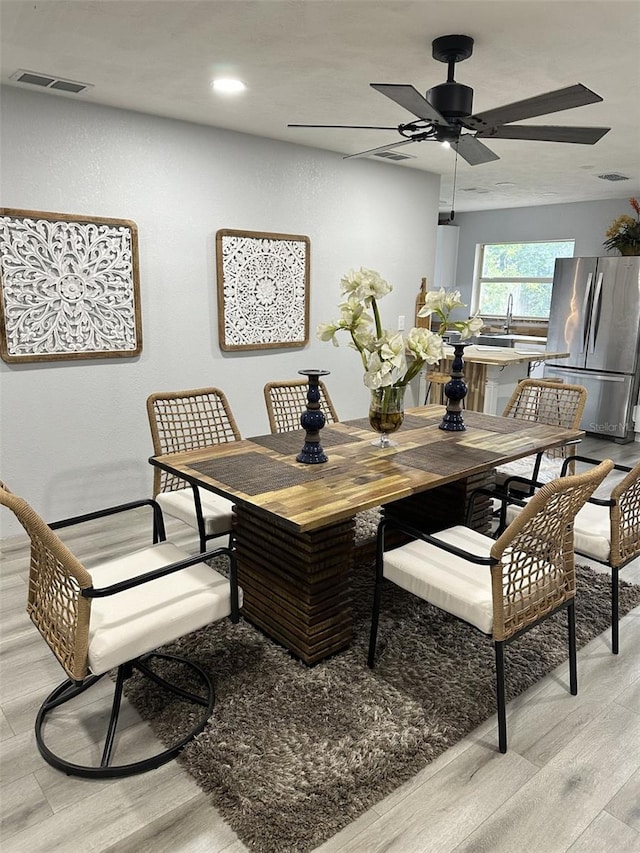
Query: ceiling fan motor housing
(452,99)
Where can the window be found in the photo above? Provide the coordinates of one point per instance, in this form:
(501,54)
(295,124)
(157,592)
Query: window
(523,271)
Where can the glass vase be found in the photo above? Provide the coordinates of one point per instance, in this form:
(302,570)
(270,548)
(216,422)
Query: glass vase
(386,413)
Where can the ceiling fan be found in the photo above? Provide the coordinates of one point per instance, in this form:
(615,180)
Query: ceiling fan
(446,112)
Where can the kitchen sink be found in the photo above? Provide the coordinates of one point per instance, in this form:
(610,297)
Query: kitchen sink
(496,340)
(520,342)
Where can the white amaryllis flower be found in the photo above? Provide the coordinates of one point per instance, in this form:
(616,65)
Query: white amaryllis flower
(425,345)
(365,285)
(392,348)
(471,326)
(327,332)
(440,302)
(381,373)
(387,363)
(353,314)
(384,354)
(364,339)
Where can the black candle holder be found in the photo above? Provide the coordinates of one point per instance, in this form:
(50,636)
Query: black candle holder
(455,391)
(312,421)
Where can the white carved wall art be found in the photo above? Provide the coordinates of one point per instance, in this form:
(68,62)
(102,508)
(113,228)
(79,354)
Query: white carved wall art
(263,289)
(69,287)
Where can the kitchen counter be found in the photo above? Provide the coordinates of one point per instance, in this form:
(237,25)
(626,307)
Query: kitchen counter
(491,373)
(518,354)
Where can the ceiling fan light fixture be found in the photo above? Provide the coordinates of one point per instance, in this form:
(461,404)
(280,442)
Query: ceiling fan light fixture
(228,85)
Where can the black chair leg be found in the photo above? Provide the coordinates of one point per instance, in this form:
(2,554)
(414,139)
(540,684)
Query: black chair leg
(573,660)
(105,770)
(373,636)
(615,626)
(500,696)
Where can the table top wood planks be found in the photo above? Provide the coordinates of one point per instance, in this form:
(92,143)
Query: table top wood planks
(262,472)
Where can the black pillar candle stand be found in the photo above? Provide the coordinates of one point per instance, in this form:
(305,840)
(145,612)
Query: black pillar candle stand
(312,421)
(455,391)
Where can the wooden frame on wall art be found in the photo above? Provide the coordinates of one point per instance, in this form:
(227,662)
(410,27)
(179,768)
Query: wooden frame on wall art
(69,287)
(263,289)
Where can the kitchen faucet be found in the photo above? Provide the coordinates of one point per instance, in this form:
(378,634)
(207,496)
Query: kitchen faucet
(509,318)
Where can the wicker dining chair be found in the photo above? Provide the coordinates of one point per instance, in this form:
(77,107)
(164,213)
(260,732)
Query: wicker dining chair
(544,402)
(501,587)
(286,401)
(190,420)
(607,528)
(112,617)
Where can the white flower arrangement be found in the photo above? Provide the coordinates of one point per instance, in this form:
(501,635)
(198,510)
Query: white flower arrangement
(387,357)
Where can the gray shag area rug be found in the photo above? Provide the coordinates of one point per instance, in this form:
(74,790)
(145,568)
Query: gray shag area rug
(293,754)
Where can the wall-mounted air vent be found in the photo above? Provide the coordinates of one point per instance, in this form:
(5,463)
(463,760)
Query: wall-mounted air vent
(392,155)
(613,176)
(46,81)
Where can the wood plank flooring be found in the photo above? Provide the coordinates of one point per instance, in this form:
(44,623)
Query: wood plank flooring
(570,782)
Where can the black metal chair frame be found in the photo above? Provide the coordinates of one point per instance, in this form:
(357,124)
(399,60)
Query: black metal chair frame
(70,688)
(499,645)
(615,570)
(532,485)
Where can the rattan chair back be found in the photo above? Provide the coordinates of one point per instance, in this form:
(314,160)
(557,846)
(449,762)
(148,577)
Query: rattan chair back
(550,403)
(286,401)
(56,578)
(625,519)
(187,420)
(536,570)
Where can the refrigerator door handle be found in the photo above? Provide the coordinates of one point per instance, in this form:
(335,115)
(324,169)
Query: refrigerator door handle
(596,310)
(586,312)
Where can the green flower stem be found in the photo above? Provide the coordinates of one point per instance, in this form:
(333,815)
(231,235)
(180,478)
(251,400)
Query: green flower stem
(413,370)
(359,348)
(376,316)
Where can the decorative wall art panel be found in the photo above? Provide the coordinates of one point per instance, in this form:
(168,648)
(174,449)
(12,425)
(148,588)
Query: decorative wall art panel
(69,287)
(263,290)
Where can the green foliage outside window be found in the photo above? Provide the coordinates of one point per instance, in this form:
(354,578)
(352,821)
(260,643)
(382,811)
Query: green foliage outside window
(524,270)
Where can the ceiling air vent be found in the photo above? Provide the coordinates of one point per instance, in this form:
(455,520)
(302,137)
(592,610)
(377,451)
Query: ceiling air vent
(46,81)
(392,155)
(613,176)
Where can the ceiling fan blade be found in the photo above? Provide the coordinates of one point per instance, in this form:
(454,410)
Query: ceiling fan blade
(381,148)
(409,98)
(547,133)
(549,102)
(473,151)
(347,126)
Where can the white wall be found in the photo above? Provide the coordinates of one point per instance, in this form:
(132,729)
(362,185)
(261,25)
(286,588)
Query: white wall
(585,222)
(75,435)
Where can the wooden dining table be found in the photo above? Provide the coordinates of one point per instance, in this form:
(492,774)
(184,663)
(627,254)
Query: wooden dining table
(294,522)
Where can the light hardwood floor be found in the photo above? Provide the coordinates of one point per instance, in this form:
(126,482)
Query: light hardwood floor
(569,782)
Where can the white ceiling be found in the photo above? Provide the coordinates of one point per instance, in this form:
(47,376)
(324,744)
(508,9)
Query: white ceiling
(311,61)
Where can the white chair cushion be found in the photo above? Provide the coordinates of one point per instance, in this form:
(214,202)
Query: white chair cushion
(549,469)
(216,510)
(449,582)
(592,532)
(130,623)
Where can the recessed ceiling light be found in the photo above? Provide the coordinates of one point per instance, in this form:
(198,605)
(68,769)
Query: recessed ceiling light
(228,85)
(505,184)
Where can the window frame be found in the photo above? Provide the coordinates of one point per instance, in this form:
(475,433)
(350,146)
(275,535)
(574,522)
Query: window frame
(479,279)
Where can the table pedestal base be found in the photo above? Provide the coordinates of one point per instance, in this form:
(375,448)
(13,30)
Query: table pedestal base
(296,585)
(445,506)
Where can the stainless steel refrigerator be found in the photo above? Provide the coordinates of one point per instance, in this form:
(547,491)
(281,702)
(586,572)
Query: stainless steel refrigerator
(595,316)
